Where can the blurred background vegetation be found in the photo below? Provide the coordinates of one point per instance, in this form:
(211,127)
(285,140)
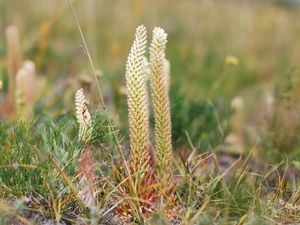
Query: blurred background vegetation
(218,50)
(235,89)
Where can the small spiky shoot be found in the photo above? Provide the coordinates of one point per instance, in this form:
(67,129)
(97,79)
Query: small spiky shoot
(86,171)
(138,114)
(83,116)
(13,59)
(25,90)
(161,105)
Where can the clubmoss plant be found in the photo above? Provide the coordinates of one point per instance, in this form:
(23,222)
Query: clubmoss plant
(160,85)
(139,185)
(138,112)
(148,179)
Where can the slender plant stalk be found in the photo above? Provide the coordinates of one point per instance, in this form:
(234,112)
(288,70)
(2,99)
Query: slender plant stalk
(161,105)
(111,127)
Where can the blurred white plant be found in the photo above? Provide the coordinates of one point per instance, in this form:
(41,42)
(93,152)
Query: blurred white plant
(25,90)
(14,58)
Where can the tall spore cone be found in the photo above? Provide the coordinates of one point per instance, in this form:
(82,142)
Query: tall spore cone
(138,114)
(161,105)
(14,58)
(83,116)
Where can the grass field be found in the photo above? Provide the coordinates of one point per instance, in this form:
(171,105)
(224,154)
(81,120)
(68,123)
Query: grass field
(72,157)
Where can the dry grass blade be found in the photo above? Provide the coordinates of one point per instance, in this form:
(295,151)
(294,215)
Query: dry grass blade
(69,183)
